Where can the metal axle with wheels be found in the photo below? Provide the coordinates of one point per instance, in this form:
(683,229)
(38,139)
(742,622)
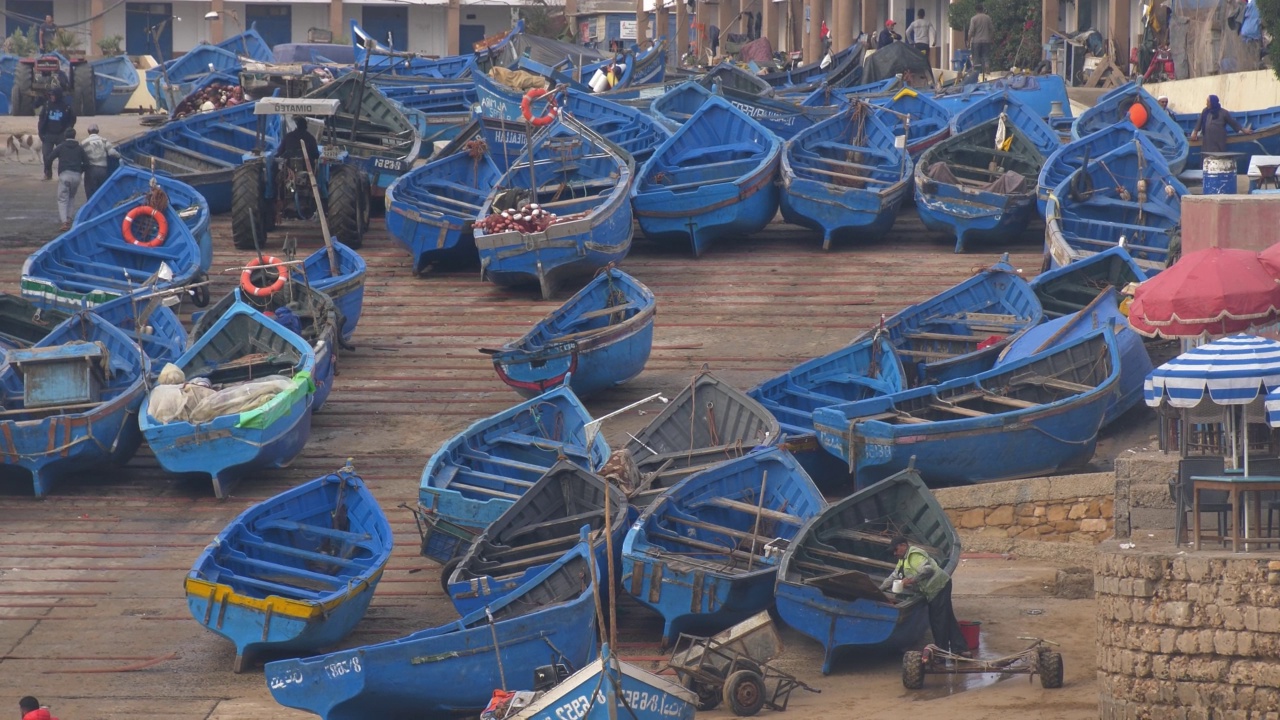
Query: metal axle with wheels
(1038,659)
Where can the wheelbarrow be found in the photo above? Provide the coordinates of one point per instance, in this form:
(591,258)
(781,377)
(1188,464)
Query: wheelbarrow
(733,667)
(1038,659)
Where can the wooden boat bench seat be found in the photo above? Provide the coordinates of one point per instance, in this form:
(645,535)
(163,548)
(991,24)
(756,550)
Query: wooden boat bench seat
(572,521)
(525,440)
(503,570)
(300,553)
(957,409)
(481,457)
(817,398)
(751,509)
(693,154)
(992,397)
(708,547)
(1054,383)
(761,540)
(846,176)
(214,143)
(454,477)
(930,354)
(893,415)
(464,190)
(990,322)
(164,164)
(943,337)
(844,377)
(274,568)
(602,312)
(1078,240)
(295,526)
(288,591)
(240,129)
(847,557)
(171,146)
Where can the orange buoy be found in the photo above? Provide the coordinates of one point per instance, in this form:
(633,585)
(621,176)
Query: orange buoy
(162,226)
(246,277)
(526,107)
(1138,114)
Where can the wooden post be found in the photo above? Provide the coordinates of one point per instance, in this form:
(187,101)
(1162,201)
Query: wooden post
(336,24)
(680,38)
(869,24)
(662,23)
(796,41)
(725,20)
(702,21)
(841,35)
(769,22)
(452,26)
(1049,17)
(96,28)
(216,28)
(1120,35)
(815,29)
(642,24)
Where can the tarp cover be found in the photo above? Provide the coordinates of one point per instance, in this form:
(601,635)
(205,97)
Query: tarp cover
(892,60)
(758,51)
(518,79)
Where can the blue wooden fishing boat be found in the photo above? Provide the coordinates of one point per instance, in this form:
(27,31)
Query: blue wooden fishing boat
(710,421)
(814,72)
(713,178)
(443,109)
(1126,198)
(454,668)
(728,75)
(8,70)
(203,150)
(531,534)
(115,79)
(68,403)
(1045,95)
(1161,129)
(304,311)
(371,131)
(480,472)
(218,439)
(1068,290)
(845,177)
(345,289)
(826,95)
(583,180)
(599,338)
(829,578)
(929,122)
(702,554)
(1075,154)
(783,118)
(130,186)
(187,105)
(149,323)
(1263,137)
(1014,111)
(1135,361)
(92,263)
(608,688)
(293,573)
(1037,416)
(489,52)
(177,78)
(969,188)
(249,44)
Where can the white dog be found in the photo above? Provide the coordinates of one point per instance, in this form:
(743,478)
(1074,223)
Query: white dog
(18,142)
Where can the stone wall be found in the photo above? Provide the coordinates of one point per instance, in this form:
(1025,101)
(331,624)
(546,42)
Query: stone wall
(1187,637)
(1142,499)
(1069,508)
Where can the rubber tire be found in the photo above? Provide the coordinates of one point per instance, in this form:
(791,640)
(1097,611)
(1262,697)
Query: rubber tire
(446,572)
(708,696)
(1050,669)
(248,221)
(21,104)
(200,294)
(83,90)
(744,693)
(912,670)
(345,205)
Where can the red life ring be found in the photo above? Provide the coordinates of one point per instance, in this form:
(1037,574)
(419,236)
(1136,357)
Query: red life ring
(526,107)
(162,226)
(246,277)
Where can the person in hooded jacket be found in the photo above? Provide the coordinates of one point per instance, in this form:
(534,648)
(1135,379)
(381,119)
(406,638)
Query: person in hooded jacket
(55,119)
(31,710)
(1213,123)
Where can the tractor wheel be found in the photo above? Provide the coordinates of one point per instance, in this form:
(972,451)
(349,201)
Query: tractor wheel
(912,670)
(83,93)
(1050,669)
(346,207)
(22,104)
(447,571)
(248,221)
(744,693)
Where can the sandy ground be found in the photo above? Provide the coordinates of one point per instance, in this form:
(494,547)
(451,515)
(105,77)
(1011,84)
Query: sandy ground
(90,579)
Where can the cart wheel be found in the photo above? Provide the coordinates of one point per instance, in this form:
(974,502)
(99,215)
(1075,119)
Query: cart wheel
(1050,669)
(446,571)
(708,696)
(744,693)
(912,670)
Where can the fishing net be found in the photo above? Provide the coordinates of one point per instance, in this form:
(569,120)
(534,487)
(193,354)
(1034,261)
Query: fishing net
(1205,37)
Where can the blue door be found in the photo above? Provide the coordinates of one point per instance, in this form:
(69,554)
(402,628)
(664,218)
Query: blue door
(274,22)
(35,9)
(388,25)
(139,19)
(469,35)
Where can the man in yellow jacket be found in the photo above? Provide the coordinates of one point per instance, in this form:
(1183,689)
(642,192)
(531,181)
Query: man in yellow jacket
(921,574)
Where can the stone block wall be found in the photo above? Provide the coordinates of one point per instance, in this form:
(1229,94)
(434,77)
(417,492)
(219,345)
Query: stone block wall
(1142,499)
(1070,508)
(1187,637)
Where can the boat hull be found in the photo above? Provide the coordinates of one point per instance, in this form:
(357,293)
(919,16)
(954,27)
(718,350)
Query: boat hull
(346,289)
(714,211)
(842,625)
(611,362)
(629,692)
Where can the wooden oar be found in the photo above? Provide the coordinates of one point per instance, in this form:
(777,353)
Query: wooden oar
(320,210)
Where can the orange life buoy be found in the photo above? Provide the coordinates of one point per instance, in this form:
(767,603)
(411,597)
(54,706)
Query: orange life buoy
(246,277)
(162,226)
(526,107)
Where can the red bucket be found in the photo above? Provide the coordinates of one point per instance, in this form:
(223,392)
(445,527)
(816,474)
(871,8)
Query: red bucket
(971,630)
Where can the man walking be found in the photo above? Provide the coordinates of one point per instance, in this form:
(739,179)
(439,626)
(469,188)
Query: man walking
(96,150)
(921,35)
(71,164)
(55,119)
(982,32)
(46,34)
(921,574)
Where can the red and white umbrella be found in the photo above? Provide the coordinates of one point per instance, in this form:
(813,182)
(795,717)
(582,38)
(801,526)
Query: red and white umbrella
(1216,291)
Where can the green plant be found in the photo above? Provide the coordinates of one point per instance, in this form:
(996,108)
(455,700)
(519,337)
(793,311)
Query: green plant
(22,44)
(543,20)
(110,46)
(1269,12)
(1017,24)
(66,42)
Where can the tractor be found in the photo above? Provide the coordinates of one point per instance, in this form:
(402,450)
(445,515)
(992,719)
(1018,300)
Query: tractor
(36,76)
(267,188)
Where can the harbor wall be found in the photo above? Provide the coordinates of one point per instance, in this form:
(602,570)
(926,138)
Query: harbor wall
(1187,637)
(1245,222)
(1252,90)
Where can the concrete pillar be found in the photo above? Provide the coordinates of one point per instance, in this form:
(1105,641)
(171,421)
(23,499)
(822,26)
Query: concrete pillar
(336,24)
(724,19)
(642,24)
(841,35)
(769,21)
(702,20)
(680,38)
(1120,35)
(662,24)
(96,28)
(452,26)
(797,25)
(1049,21)
(869,18)
(216,27)
(813,41)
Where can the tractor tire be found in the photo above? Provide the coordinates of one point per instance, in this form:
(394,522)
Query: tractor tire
(744,693)
(447,571)
(21,104)
(1050,669)
(248,221)
(83,91)
(347,206)
(912,670)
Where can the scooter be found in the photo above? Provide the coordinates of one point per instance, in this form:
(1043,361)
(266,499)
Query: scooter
(1161,67)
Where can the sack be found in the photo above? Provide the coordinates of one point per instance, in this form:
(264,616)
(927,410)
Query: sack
(240,398)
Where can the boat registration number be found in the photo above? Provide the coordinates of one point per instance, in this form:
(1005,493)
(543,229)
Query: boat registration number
(343,667)
(637,700)
(331,152)
(394,165)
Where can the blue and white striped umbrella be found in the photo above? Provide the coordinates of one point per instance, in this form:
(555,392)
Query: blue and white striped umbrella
(1273,408)
(1234,370)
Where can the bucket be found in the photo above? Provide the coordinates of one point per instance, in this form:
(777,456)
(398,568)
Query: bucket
(971,630)
(1219,175)
(959,59)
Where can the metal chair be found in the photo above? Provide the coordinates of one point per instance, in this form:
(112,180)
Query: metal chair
(1214,501)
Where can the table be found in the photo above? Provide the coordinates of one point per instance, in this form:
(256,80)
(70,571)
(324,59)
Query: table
(1236,486)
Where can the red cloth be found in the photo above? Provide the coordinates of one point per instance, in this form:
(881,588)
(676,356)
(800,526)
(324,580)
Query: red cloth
(991,340)
(41,714)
